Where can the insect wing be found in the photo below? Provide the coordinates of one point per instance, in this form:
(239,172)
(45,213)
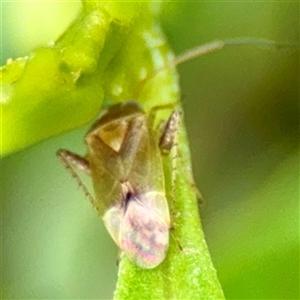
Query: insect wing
(109,165)
(112,220)
(145,229)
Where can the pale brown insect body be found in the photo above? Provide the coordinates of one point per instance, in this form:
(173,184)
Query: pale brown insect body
(125,164)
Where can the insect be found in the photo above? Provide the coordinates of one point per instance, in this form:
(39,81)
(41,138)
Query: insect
(125,164)
(124,160)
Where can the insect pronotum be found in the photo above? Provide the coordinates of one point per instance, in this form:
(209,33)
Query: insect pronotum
(125,164)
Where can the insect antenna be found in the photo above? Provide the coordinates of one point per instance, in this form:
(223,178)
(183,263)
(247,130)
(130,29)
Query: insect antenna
(213,47)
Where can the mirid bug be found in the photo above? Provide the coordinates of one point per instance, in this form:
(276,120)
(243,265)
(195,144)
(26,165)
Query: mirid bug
(124,162)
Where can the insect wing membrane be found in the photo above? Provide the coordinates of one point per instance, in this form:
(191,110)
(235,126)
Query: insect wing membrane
(145,229)
(112,220)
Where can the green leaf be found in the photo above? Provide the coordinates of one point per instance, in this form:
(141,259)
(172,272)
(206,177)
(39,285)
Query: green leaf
(104,52)
(111,53)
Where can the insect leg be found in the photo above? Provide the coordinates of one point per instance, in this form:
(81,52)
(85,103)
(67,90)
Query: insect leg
(154,110)
(72,160)
(168,138)
(168,142)
(69,158)
(175,238)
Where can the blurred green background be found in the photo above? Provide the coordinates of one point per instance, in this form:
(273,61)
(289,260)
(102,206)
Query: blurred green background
(241,109)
